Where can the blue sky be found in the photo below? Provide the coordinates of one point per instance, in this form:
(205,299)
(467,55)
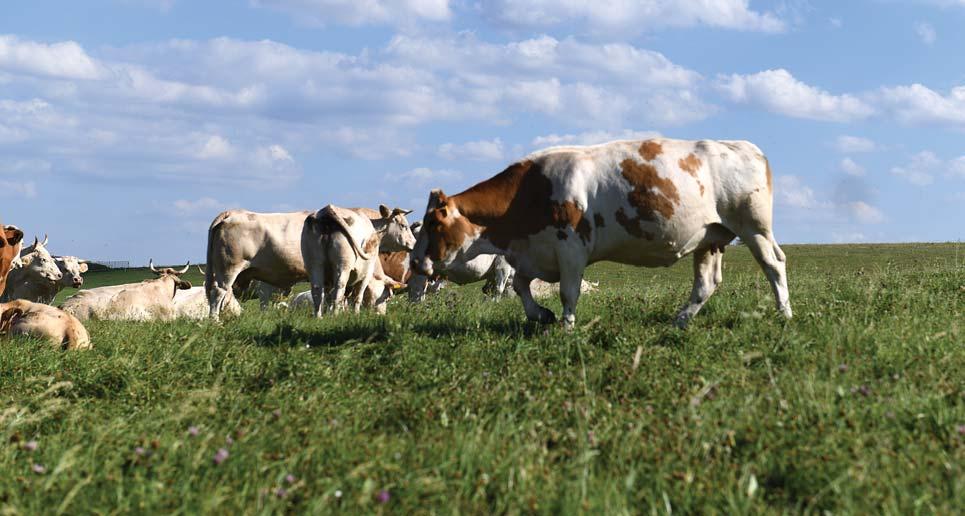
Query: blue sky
(127,125)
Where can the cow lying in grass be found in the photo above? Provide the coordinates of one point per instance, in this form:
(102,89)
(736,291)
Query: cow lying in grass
(25,318)
(148,300)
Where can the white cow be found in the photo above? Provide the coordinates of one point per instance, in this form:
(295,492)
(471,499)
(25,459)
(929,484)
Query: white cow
(340,249)
(193,304)
(148,300)
(22,317)
(35,276)
(495,269)
(646,203)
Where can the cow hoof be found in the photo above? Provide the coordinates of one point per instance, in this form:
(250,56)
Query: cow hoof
(545,317)
(681,321)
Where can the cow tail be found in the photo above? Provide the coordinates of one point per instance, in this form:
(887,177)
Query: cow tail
(212,233)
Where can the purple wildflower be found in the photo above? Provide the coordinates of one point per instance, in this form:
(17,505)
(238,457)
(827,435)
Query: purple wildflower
(193,431)
(139,451)
(961,429)
(383,496)
(30,446)
(864,390)
(280,492)
(220,457)
(228,440)
(39,469)
(290,478)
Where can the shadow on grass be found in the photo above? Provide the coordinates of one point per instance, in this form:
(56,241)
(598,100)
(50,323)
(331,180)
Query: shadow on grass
(288,335)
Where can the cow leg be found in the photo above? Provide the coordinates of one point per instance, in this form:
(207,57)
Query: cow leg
(340,282)
(707,277)
(316,276)
(361,289)
(772,260)
(502,277)
(534,312)
(219,291)
(571,279)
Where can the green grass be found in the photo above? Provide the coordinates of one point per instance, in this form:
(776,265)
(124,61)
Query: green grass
(456,406)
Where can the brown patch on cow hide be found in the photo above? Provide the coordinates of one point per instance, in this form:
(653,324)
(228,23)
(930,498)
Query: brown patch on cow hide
(690,164)
(632,225)
(598,220)
(651,193)
(395,265)
(701,185)
(515,204)
(371,245)
(349,221)
(650,149)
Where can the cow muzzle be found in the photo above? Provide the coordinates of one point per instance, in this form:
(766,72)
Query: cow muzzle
(78,282)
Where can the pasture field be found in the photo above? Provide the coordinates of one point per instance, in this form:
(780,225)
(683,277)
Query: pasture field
(857,405)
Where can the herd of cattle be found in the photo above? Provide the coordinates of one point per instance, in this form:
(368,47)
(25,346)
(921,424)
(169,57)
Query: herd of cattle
(544,218)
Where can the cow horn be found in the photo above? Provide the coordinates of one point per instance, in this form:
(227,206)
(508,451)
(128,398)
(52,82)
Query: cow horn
(36,240)
(150,265)
(406,212)
(44,244)
(185,269)
(202,270)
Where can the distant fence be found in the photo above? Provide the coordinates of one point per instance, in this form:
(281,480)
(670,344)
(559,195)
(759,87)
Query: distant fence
(113,264)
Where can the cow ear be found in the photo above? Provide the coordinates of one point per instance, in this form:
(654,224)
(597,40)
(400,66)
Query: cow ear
(83,267)
(184,285)
(385,211)
(436,198)
(443,212)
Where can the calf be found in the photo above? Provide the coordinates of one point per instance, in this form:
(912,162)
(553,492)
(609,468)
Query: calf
(647,203)
(340,250)
(21,317)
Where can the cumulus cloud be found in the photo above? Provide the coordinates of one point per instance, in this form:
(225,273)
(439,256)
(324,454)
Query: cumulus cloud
(482,150)
(591,137)
(26,189)
(848,166)
(957,167)
(793,192)
(631,16)
(864,212)
(920,168)
(205,206)
(422,176)
(918,104)
(62,60)
(360,12)
(926,33)
(851,144)
(780,92)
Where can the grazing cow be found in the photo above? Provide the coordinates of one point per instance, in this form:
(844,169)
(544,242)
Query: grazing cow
(645,203)
(245,246)
(36,275)
(148,300)
(22,317)
(340,250)
(495,269)
(11,239)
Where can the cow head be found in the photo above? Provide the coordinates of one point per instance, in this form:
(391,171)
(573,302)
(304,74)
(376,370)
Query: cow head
(39,265)
(11,239)
(445,233)
(173,274)
(72,268)
(394,230)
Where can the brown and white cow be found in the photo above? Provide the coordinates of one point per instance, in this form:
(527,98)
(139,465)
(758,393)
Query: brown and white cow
(11,240)
(646,203)
(38,320)
(148,300)
(245,246)
(36,274)
(340,249)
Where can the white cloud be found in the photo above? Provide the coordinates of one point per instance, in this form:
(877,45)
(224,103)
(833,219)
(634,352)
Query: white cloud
(423,176)
(848,166)
(864,212)
(360,12)
(591,137)
(216,147)
(63,60)
(482,150)
(926,33)
(957,167)
(632,16)
(779,92)
(919,104)
(205,206)
(835,23)
(793,192)
(919,170)
(851,144)
(26,189)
